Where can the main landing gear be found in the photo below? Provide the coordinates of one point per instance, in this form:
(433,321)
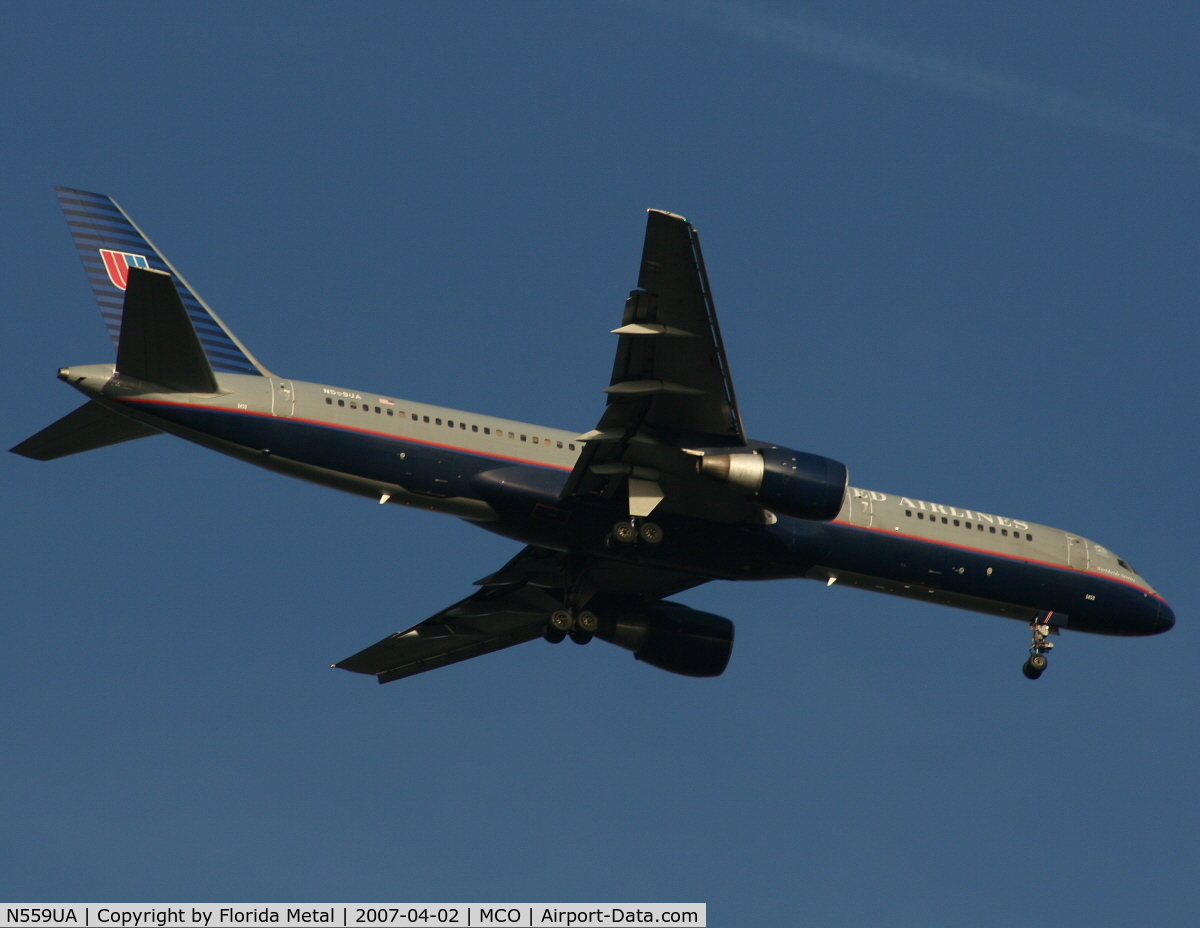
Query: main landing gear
(1038,649)
(579,626)
(635,529)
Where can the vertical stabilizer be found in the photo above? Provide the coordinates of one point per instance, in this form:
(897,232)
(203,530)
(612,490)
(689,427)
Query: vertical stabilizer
(110,244)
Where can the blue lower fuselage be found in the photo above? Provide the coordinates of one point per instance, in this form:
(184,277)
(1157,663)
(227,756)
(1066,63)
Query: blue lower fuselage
(521,500)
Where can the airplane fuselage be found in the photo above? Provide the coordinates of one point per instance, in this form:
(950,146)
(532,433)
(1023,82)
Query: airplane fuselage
(507,477)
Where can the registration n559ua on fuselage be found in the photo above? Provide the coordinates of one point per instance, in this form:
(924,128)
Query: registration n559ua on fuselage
(667,491)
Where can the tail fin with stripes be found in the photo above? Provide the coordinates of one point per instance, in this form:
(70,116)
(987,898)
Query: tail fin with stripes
(109,244)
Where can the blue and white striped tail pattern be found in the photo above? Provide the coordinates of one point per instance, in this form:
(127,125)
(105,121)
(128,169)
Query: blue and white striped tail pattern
(109,244)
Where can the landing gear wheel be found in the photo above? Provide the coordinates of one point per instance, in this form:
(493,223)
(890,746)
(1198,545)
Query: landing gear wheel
(587,622)
(651,533)
(625,532)
(553,635)
(1033,667)
(579,636)
(561,621)
(1038,647)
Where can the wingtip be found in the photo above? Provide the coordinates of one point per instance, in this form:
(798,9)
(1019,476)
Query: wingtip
(668,215)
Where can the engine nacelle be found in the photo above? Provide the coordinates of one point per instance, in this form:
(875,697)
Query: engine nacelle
(795,483)
(669,636)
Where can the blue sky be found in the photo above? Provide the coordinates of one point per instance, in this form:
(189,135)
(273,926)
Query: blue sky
(954,247)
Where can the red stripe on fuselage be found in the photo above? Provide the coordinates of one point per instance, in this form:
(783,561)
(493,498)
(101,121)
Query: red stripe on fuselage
(502,457)
(347,428)
(1010,557)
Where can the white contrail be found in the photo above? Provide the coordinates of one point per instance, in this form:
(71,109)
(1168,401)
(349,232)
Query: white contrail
(942,74)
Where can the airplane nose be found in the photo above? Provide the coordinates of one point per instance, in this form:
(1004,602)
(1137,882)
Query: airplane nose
(1166,619)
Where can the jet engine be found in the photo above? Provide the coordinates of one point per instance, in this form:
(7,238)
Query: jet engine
(797,484)
(668,635)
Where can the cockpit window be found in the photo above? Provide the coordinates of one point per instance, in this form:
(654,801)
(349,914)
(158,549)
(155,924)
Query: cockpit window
(1126,566)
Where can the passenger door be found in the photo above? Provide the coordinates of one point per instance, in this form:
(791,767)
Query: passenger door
(862,507)
(283,398)
(1078,555)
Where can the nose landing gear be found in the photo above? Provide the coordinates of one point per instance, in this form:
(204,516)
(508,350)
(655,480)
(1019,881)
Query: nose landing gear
(1039,647)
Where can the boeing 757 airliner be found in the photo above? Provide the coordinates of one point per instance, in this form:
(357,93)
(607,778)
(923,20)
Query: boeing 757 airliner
(667,491)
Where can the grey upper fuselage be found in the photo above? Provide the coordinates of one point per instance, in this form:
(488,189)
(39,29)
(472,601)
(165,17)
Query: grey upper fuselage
(506,475)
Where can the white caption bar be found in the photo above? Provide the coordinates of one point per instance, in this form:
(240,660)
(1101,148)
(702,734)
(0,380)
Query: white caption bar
(358,915)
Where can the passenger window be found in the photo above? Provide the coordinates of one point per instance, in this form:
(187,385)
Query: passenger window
(535,441)
(449,422)
(956,522)
(523,438)
(462,425)
(474,428)
(908,512)
(945,521)
(1029,538)
(1004,532)
(920,515)
(572,447)
(559,444)
(329,401)
(437,421)
(992,529)
(486,430)
(341,402)
(968,525)
(511,435)
(377,410)
(389,412)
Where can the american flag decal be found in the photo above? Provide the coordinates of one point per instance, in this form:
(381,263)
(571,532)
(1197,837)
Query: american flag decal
(118,263)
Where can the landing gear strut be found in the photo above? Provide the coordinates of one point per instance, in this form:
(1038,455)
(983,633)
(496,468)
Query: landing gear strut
(1038,649)
(572,619)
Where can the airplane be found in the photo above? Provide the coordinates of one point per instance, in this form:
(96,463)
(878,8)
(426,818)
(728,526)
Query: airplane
(666,493)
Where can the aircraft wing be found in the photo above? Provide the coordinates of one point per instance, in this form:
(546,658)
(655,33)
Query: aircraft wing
(512,607)
(670,389)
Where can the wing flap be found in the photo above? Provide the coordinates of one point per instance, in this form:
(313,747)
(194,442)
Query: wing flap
(669,335)
(670,388)
(512,608)
(445,639)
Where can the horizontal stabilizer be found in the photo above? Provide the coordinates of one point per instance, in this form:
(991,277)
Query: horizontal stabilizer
(158,341)
(90,426)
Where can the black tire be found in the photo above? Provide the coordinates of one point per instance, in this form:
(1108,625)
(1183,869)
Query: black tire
(580,637)
(562,620)
(651,533)
(625,532)
(587,622)
(1038,661)
(553,635)
(1031,672)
